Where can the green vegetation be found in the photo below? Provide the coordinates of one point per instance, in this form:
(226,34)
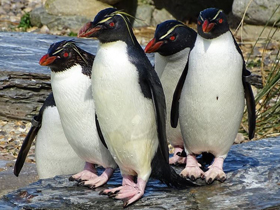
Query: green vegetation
(25,22)
(72,34)
(256,63)
(268,98)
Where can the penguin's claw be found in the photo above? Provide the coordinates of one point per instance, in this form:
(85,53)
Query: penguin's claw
(71,179)
(192,169)
(102,192)
(192,172)
(215,173)
(94,183)
(81,183)
(110,191)
(99,180)
(129,192)
(83,176)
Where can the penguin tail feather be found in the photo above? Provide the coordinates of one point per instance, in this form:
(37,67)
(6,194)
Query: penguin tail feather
(162,171)
(25,149)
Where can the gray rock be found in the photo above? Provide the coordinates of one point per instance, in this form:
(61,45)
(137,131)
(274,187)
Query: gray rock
(184,10)
(254,32)
(2,11)
(83,8)
(143,16)
(9,182)
(40,16)
(24,84)
(6,7)
(36,15)
(253,183)
(259,11)
(161,15)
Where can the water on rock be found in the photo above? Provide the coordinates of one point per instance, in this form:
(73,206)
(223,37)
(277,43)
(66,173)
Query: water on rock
(253,183)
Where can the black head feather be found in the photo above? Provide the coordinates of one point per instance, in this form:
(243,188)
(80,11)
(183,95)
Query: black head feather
(109,25)
(212,23)
(65,54)
(171,37)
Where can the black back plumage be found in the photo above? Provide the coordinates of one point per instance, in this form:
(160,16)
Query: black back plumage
(35,127)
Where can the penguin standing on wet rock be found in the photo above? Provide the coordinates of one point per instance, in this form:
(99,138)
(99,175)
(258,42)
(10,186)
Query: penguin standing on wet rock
(209,97)
(71,85)
(130,106)
(172,43)
(54,155)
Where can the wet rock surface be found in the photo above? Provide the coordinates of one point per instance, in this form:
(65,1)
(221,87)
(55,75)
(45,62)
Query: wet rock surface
(24,84)
(253,183)
(9,182)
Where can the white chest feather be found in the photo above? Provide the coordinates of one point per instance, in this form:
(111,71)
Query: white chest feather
(171,63)
(169,69)
(212,99)
(73,97)
(54,155)
(126,117)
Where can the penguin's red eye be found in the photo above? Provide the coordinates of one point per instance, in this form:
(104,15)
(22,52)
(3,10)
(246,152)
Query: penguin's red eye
(111,24)
(65,54)
(198,22)
(220,20)
(172,38)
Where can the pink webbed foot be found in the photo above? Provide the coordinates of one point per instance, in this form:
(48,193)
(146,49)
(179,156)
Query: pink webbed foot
(99,180)
(177,159)
(215,171)
(88,173)
(129,192)
(192,169)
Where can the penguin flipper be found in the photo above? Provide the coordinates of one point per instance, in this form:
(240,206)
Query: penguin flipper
(250,102)
(100,132)
(176,97)
(160,110)
(249,96)
(25,148)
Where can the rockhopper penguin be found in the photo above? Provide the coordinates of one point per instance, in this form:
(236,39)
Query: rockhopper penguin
(71,84)
(54,155)
(130,106)
(209,97)
(172,43)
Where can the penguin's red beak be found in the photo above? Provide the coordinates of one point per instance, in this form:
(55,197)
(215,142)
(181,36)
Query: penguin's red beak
(87,30)
(47,60)
(207,27)
(153,46)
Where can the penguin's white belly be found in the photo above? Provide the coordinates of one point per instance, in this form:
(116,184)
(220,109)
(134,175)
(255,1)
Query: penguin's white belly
(126,117)
(212,99)
(54,155)
(73,97)
(172,68)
